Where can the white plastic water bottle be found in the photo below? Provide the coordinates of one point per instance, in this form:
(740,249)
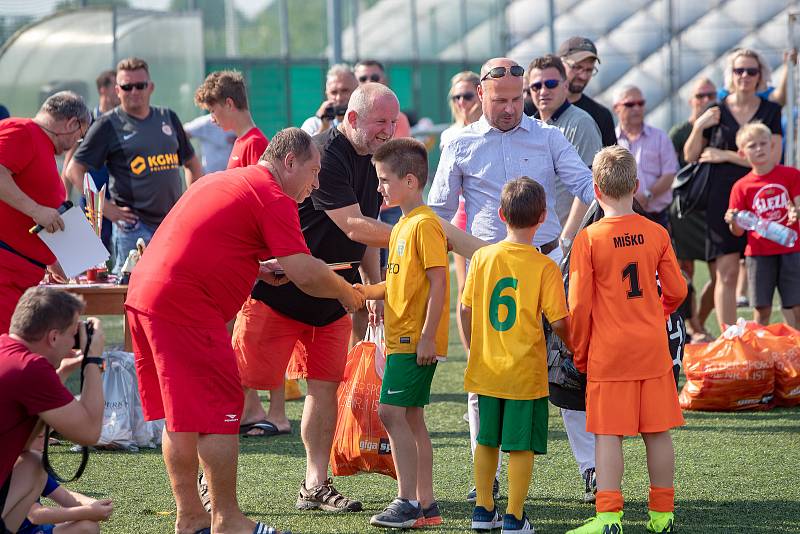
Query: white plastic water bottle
(783,235)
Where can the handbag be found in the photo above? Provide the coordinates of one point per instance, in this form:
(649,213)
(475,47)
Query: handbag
(690,187)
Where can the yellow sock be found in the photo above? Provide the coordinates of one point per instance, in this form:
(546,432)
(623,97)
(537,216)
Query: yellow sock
(485,468)
(520,467)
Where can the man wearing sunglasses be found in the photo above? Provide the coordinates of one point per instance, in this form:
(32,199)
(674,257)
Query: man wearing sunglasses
(502,145)
(547,85)
(31,190)
(143,147)
(656,162)
(580,60)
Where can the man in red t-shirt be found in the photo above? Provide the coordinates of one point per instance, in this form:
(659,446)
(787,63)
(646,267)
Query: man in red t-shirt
(196,274)
(31,190)
(224,95)
(773,193)
(42,333)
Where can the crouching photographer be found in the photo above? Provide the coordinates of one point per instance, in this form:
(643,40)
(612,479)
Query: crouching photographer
(35,356)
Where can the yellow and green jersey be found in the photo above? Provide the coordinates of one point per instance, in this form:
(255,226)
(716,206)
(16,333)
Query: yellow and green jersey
(418,243)
(509,286)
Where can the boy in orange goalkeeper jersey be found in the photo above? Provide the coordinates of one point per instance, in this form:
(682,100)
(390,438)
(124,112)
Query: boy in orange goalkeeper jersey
(617,330)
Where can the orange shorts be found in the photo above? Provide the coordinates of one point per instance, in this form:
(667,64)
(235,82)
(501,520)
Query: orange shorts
(264,340)
(629,408)
(187,375)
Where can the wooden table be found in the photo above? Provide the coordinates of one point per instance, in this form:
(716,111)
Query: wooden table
(103,299)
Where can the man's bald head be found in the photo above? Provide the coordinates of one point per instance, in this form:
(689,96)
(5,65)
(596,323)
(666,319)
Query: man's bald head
(371,117)
(501,97)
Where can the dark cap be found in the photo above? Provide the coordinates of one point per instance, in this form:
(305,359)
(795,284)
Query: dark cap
(577,49)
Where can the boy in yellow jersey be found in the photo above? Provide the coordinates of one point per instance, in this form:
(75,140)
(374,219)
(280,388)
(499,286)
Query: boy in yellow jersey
(509,285)
(416,312)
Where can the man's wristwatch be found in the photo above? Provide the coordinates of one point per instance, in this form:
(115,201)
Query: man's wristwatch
(99,362)
(648,194)
(565,242)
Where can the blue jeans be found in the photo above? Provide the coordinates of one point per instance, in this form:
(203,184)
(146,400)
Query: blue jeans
(124,238)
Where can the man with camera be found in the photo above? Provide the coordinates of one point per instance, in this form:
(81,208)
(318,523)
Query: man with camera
(340,82)
(35,357)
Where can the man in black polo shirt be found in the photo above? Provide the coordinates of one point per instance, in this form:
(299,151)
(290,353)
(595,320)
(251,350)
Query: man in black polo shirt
(143,147)
(339,222)
(580,58)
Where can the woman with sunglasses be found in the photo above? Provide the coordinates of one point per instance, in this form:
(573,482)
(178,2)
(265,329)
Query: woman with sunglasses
(465,109)
(713,140)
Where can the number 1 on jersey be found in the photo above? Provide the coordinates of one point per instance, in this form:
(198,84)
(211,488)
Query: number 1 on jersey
(497,300)
(631,271)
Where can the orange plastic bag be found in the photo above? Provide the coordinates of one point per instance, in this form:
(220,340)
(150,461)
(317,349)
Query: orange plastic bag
(732,373)
(294,371)
(783,343)
(360,442)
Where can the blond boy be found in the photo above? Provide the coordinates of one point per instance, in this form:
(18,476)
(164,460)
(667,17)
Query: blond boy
(617,329)
(772,192)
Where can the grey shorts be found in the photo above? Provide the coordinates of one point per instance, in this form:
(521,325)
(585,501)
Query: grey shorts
(765,273)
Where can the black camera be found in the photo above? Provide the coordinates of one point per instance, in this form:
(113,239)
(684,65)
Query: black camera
(332,112)
(84,326)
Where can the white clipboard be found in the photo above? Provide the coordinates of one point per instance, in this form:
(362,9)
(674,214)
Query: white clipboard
(77,247)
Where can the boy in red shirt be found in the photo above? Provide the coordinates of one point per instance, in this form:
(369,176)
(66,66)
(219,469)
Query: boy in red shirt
(617,330)
(773,193)
(224,95)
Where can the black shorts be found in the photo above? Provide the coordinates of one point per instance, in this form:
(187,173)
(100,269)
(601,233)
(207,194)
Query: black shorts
(765,273)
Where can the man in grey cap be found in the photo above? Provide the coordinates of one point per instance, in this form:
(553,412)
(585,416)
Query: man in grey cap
(580,60)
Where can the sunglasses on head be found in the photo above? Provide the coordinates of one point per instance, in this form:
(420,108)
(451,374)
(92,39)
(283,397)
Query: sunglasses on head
(499,72)
(374,77)
(701,96)
(141,86)
(550,84)
(634,103)
(750,71)
(465,96)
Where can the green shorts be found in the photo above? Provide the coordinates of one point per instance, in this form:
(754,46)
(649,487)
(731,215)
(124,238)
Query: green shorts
(405,383)
(513,425)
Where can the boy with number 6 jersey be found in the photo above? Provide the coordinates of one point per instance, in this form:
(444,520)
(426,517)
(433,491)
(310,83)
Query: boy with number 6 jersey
(617,329)
(416,314)
(509,285)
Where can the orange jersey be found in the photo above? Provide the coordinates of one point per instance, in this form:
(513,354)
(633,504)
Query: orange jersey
(617,319)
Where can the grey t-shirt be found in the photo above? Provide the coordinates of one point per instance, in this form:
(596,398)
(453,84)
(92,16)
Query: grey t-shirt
(143,157)
(582,131)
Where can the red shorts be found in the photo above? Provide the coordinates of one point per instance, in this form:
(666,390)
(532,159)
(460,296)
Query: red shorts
(629,408)
(264,340)
(186,374)
(16,276)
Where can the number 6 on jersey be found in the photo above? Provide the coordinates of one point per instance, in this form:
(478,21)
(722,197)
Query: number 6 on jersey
(497,300)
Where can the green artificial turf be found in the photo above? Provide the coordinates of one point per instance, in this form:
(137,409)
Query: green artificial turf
(736,472)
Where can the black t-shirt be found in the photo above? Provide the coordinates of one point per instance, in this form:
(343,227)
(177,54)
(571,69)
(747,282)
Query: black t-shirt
(345,178)
(602,116)
(143,157)
(679,134)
